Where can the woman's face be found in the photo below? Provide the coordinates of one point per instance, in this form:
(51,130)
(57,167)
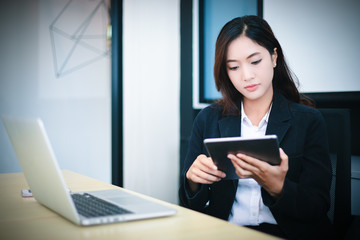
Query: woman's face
(250,68)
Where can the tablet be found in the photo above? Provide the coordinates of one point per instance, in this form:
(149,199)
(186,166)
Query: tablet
(263,148)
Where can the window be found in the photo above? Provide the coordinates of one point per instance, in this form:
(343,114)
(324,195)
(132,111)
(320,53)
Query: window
(208,18)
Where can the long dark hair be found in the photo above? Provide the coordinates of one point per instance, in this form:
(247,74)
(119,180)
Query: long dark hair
(259,31)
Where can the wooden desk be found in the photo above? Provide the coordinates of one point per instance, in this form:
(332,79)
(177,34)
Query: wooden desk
(24,218)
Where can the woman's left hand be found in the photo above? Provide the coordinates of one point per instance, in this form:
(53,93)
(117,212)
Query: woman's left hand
(271,178)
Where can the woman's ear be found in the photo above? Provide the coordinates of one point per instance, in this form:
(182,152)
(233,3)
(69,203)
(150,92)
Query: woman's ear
(274,57)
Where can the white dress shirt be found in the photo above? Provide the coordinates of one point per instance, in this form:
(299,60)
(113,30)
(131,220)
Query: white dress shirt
(248,207)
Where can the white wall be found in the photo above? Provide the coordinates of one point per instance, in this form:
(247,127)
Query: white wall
(151,83)
(78,120)
(75,113)
(320,40)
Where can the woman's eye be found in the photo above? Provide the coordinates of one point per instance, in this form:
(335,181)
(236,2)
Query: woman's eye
(256,62)
(233,68)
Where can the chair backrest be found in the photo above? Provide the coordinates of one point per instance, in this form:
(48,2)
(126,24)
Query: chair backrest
(339,135)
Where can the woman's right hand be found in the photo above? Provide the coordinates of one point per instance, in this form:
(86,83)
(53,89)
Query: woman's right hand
(203,171)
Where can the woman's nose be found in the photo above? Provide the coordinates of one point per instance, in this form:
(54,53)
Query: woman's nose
(247,74)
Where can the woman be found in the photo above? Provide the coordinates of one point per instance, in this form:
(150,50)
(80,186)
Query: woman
(259,97)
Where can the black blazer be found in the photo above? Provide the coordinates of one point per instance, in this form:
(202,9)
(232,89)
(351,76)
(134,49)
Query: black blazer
(301,211)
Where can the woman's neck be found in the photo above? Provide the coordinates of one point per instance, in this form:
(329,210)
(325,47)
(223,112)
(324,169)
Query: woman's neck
(255,110)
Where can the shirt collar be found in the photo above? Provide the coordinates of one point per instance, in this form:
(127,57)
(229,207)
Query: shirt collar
(245,119)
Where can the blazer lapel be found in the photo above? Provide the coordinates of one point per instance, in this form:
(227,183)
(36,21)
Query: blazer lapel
(279,119)
(230,126)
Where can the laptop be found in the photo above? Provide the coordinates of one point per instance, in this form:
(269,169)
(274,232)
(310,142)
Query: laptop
(42,173)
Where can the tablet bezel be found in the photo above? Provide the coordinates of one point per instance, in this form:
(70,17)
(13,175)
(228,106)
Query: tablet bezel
(264,148)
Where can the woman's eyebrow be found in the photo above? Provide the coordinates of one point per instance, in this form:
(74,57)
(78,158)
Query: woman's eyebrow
(250,56)
(230,60)
(253,54)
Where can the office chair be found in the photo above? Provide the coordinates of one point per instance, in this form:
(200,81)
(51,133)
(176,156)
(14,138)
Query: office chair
(338,128)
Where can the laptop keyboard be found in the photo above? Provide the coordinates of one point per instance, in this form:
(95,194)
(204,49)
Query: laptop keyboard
(91,206)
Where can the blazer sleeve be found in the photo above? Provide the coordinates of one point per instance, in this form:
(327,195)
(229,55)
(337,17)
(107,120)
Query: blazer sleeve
(306,192)
(196,201)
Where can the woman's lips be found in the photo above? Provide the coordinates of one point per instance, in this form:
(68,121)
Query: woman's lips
(252,87)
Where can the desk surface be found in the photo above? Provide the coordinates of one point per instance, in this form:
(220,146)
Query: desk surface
(25,218)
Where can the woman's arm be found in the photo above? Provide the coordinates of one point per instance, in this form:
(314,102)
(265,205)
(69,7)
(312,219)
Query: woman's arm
(199,171)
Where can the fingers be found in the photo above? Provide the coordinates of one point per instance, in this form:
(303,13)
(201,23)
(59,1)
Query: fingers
(204,171)
(206,165)
(246,164)
(271,178)
(201,176)
(284,160)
